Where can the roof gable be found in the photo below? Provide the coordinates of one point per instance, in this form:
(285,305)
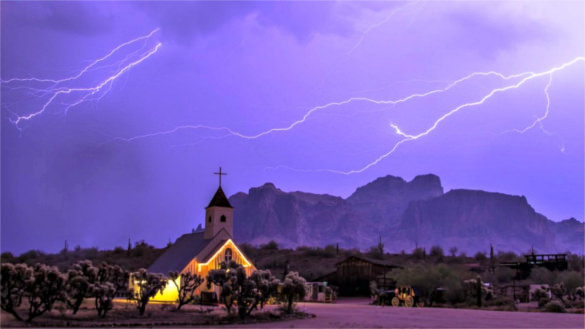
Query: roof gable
(219,200)
(206,259)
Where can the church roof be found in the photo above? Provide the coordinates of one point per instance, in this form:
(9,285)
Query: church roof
(220,200)
(180,253)
(213,251)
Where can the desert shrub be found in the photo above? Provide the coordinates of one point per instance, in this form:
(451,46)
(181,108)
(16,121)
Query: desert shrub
(426,279)
(14,279)
(236,288)
(77,286)
(293,286)
(225,277)
(148,285)
(559,291)
(541,296)
(576,263)
(43,289)
(272,245)
(186,286)
(480,256)
(103,294)
(572,280)
(504,275)
(437,253)
(502,302)
(266,286)
(555,307)
(419,253)
(543,275)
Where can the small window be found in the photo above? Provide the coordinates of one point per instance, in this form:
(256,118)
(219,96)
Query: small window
(209,219)
(222,218)
(227,256)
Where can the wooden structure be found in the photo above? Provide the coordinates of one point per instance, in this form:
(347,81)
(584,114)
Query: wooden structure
(354,274)
(553,262)
(203,250)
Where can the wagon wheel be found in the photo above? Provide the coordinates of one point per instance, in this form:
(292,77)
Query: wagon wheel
(408,301)
(395,301)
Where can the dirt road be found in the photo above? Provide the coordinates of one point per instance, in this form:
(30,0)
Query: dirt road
(358,314)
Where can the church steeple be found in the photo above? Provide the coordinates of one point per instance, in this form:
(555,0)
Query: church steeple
(220,200)
(219,214)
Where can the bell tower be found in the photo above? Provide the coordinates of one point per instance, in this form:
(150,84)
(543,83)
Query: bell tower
(219,214)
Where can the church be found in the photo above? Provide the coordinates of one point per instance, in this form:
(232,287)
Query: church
(204,249)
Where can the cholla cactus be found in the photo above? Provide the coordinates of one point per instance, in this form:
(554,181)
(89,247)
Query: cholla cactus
(293,286)
(43,289)
(77,287)
(186,287)
(229,280)
(148,285)
(104,294)
(14,279)
(266,286)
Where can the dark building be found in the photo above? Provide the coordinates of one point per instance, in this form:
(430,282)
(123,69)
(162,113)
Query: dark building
(354,274)
(553,262)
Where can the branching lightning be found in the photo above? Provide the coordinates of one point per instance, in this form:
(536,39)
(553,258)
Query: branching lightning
(406,137)
(384,21)
(538,120)
(88,67)
(82,94)
(311,111)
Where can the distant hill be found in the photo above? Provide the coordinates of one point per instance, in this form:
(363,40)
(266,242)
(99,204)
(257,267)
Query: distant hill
(405,214)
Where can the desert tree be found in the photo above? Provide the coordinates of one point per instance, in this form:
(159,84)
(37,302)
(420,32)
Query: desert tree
(14,279)
(238,289)
(266,285)
(104,293)
(147,286)
(225,277)
(43,289)
(293,286)
(80,277)
(186,284)
(559,291)
(115,275)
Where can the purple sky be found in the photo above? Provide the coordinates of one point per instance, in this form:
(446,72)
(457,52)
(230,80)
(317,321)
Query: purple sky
(97,166)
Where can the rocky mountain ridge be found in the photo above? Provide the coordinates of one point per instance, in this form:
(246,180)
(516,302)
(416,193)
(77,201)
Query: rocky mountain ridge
(404,214)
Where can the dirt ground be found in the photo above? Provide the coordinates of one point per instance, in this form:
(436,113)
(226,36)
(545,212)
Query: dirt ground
(353,313)
(358,314)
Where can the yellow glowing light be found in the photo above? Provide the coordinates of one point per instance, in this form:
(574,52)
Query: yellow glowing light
(170,293)
(229,241)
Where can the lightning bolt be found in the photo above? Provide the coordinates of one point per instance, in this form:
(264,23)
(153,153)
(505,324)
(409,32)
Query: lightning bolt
(407,137)
(538,120)
(311,111)
(88,67)
(384,21)
(83,94)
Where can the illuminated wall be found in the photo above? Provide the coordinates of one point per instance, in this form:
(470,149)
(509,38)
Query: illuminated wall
(171,294)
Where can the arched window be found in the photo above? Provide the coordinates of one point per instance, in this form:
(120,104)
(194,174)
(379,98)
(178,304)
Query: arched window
(227,255)
(209,219)
(222,218)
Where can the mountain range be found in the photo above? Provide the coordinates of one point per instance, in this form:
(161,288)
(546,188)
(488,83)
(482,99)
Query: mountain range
(403,215)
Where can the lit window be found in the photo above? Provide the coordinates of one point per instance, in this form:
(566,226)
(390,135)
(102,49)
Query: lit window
(227,256)
(222,218)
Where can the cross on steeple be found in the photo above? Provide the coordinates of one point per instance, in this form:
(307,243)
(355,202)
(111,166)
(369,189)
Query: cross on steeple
(219,174)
